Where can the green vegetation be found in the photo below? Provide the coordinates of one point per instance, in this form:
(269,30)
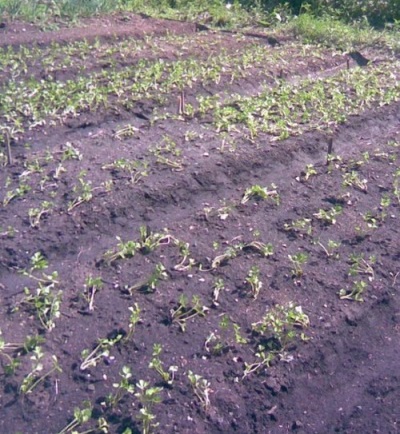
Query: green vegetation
(174,122)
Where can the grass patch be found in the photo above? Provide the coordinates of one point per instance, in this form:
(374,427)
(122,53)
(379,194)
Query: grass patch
(332,32)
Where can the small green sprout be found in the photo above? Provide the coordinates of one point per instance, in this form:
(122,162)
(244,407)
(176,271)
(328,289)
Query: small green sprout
(35,214)
(329,217)
(35,377)
(81,416)
(148,396)
(355,292)
(183,312)
(258,192)
(157,365)
(133,320)
(122,388)
(101,351)
(201,388)
(253,279)
(298,260)
(91,287)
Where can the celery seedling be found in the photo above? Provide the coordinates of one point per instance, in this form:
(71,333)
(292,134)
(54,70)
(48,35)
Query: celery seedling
(102,350)
(157,365)
(184,312)
(148,396)
(201,388)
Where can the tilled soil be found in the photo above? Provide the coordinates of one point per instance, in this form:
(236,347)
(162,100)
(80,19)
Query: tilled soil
(188,186)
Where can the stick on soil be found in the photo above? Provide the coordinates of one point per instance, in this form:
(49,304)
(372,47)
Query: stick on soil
(330,148)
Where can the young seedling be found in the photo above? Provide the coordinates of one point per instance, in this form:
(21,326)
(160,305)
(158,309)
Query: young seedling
(352,179)
(149,284)
(355,292)
(218,286)
(35,377)
(156,364)
(45,299)
(230,253)
(20,191)
(91,287)
(35,214)
(300,226)
(359,265)
(264,360)
(331,248)
(253,279)
(298,260)
(136,169)
(148,397)
(183,312)
(71,153)
(101,351)
(384,205)
(83,192)
(186,262)
(149,241)
(133,320)
(122,388)
(126,132)
(265,250)
(261,193)
(308,172)
(201,388)
(281,325)
(123,251)
(329,217)
(81,416)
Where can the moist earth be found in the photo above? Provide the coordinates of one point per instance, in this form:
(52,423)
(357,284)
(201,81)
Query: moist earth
(340,374)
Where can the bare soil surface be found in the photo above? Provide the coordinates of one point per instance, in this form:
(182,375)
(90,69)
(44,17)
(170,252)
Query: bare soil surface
(183,203)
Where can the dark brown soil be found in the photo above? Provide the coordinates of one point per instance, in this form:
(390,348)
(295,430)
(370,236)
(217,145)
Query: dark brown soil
(344,378)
